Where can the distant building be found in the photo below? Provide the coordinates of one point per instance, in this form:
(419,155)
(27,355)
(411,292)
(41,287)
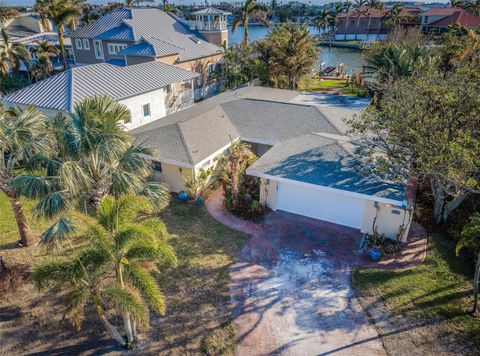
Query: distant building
(24,25)
(438,19)
(149,90)
(137,35)
(369,23)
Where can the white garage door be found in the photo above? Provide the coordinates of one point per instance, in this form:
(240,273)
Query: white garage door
(337,208)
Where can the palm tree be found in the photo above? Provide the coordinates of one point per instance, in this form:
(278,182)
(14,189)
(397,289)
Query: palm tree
(61,13)
(47,50)
(42,7)
(95,157)
(373,4)
(471,238)
(347,7)
(11,54)
(473,7)
(22,137)
(393,18)
(322,21)
(251,10)
(7,13)
(113,272)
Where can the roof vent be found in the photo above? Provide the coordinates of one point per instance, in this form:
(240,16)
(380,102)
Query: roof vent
(195,39)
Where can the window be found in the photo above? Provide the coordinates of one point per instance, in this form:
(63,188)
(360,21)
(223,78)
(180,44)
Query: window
(78,43)
(97,46)
(157,166)
(115,48)
(86,44)
(211,68)
(146,110)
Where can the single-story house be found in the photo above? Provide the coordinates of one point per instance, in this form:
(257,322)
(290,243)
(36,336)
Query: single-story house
(149,90)
(306,163)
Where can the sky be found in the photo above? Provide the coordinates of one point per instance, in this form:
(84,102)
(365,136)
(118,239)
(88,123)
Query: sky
(188,2)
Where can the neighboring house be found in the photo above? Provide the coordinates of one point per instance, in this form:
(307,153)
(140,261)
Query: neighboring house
(364,23)
(306,164)
(131,36)
(32,43)
(149,90)
(438,19)
(24,25)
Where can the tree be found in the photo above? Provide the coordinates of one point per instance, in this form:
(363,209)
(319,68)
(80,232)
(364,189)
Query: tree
(61,13)
(373,4)
(7,13)
(114,273)
(287,53)
(424,127)
(323,21)
(11,54)
(46,50)
(251,10)
(471,238)
(394,17)
(22,137)
(42,7)
(94,157)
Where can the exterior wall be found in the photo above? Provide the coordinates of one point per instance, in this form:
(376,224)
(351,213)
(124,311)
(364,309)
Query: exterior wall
(174,176)
(155,98)
(391,220)
(168,59)
(132,60)
(268,193)
(200,65)
(83,56)
(215,37)
(109,56)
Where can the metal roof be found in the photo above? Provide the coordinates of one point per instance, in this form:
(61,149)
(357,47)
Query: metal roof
(326,162)
(62,91)
(152,47)
(164,31)
(41,37)
(211,11)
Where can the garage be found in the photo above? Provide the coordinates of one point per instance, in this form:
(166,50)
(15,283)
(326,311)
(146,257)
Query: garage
(335,207)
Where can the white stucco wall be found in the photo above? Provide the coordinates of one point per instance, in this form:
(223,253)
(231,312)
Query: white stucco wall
(174,176)
(391,220)
(155,98)
(268,193)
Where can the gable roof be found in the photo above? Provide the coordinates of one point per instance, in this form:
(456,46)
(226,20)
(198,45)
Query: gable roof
(62,91)
(437,11)
(163,31)
(211,11)
(461,17)
(152,47)
(206,127)
(328,162)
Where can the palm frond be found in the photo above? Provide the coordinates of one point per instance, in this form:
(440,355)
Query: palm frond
(123,301)
(157,251)
(57,233)
(158,194)
(147,285)
(54,272)
(157,228)
(77,299)
(73,177)
(51,205)
(31,186)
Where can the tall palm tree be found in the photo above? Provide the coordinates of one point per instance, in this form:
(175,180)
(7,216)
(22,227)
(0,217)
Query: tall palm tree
(251,10)
(61,13)
(348,5)
(95,157)
(47,50)
(373,4)
(11,54)
(42,7)
(22,137)
(323,20)
(473,7)
(113,273)
(393,18)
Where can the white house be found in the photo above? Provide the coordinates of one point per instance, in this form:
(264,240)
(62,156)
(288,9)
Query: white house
(306,164)
(149,90)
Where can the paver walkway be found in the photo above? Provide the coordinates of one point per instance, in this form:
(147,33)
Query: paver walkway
(291,291)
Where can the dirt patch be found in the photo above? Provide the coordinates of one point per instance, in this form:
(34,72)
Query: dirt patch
(405,336)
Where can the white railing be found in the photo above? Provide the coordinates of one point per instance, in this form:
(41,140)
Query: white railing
(183,100)
(207,25)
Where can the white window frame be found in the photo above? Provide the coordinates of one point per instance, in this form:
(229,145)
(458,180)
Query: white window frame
(115,48)
(78,43)
(149,110)
(98,43)
(86,44)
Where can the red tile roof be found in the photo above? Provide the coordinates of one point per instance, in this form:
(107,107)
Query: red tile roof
(436,11)
(461,17)
(374,13)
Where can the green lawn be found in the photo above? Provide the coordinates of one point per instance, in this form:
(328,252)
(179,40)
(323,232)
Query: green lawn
(334,85)
(198,318)
(437,290)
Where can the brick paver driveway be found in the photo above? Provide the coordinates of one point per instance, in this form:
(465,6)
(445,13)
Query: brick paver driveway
(291,291)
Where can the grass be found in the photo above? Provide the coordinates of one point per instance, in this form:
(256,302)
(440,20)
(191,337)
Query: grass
(335,86)
(438,291)
(198,318)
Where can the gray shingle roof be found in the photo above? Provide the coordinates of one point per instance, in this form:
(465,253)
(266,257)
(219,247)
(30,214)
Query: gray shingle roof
(210,125)
(62,91)
(164,31)
(323,161)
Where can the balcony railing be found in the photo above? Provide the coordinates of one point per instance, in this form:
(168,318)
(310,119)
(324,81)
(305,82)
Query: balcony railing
(208,26)
(183,100)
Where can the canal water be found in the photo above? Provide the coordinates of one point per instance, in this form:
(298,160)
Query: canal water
(330,56)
